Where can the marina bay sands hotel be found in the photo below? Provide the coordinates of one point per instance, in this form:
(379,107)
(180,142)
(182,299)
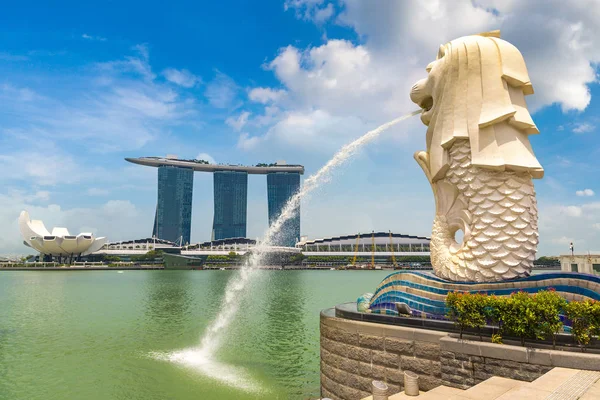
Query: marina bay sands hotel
(173,217)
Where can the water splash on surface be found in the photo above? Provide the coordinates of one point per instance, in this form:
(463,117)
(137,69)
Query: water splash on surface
(196,360)
(202,358)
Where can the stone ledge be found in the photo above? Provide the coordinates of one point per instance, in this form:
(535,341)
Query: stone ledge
(549,358)
(374,329)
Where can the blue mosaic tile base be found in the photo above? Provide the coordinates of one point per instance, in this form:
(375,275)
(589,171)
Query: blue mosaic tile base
(425,293)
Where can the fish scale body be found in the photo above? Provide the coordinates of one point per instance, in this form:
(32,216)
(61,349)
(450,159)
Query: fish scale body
(500,226)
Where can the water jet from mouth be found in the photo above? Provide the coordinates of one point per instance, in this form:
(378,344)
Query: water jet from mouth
(202,358)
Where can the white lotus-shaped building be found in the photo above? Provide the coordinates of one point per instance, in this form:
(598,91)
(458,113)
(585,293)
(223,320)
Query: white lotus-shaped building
(58,243)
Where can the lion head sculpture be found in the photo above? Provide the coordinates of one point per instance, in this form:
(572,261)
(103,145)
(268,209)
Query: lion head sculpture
(476,90)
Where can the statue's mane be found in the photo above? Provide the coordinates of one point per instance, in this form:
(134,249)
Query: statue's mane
(484,82)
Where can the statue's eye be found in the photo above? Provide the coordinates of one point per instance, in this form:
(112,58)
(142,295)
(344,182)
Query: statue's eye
(441,52)
(429,67)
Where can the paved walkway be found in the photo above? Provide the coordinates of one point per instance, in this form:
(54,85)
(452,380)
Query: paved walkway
(557,384)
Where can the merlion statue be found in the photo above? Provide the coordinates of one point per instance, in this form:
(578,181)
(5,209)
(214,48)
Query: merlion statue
(479,161)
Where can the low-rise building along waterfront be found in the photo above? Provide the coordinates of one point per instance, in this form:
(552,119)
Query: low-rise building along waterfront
(365,244)
(584,263)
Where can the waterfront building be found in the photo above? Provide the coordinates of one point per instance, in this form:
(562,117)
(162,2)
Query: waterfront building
(230,204)
(59,243)
(365,243)
(230,196)
(374,247)
(173,217)
(281,186)
(585,263)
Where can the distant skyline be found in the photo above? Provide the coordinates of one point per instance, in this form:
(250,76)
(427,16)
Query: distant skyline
(84,86)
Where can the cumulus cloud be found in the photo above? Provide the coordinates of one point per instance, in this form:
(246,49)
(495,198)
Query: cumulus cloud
(115,219)
(571,211)
(181,77)
(222,91)
(109,102)
(585,193)
(317,11)
(91,37)
(247,142)
(337,90)
(556,38)
(98,192)
(237,123)
(206,157)
(265,95)
(39,168)
(583,127)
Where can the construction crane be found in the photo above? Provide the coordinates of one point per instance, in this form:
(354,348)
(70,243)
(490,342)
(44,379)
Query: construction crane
(356,250)
(373,250)
(392,250)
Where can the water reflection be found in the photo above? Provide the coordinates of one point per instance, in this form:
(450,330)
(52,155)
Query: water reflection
(286,331)
(168,302)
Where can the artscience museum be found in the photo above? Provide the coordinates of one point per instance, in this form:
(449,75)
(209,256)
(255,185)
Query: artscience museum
(58,243)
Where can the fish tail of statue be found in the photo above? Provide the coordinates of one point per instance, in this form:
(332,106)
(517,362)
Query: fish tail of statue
(497,212)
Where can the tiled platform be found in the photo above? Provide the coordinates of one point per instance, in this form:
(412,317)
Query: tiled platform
(558,384)
(426,294)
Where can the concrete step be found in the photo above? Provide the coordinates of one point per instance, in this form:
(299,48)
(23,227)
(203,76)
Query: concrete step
(438,393)
(557,384)
(489,389)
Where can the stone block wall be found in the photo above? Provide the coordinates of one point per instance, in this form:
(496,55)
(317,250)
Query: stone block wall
(464,371)
(354,353)
(466,363)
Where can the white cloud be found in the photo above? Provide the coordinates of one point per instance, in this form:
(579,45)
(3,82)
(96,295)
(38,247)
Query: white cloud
(237,123)
(39,168)
(266,95)
(40,195)
(337,90)
(322,15)
(563,240)
(21,94)
(247,142)
(181,77)
(12,57)
(138,64)
(97,192)
(115,105)
(557,39)
(206,157)
(585,193)
(115,219)
(311,10)
(571,211)
(560,225)
(222,91)
(91,37)
(583,127)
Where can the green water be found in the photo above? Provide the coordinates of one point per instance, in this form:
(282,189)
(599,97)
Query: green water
(93,334)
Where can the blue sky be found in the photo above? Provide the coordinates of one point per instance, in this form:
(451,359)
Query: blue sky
(82,86)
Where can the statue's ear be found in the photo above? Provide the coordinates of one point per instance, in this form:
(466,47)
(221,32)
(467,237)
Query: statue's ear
(441,52)
(495,34)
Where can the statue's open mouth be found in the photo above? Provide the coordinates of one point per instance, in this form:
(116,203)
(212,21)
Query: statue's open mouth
(426,104)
